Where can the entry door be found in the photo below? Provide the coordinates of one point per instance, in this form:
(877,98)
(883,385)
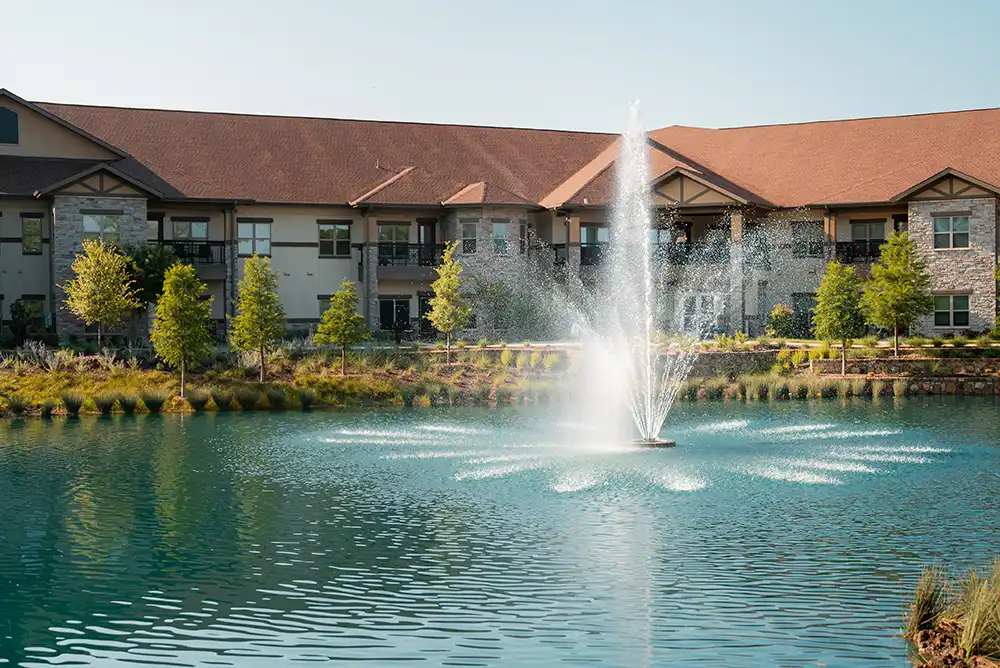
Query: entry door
(402,320)
(427,232)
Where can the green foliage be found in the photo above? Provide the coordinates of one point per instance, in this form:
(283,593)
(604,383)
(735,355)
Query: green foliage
(105,403)
(307,398)
(837,315)
(260,319)
(535,359)
(20,321)
(198,399)
(929,599)
(551,361)
(153,400)
(275,397)
(102,290)
(898,291)
(248,398)
(222,398)
(16,404)
(960,341)
(148,270)
(899,388)
(181,334)
(781,321)
(342,325)
(507,357)
(799,358)
(449,310)
(127,402)
(522,360)
(72,402)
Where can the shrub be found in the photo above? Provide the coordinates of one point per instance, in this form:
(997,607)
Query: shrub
(551,361)
(799,358)
(72,402)
(197,399)
(984,341)
(17,405)
(306,398)
(937,341)
(917,341)
(128,402)
(275,397)
(522,360)
(816,353)
(104,403)
(878,388)
(928,603)
(153,400)
(959,341)
(507,357)
(223,398)
(48,406)
(765,341)
(248,398)
(535,359)
(781,321)
(870,341)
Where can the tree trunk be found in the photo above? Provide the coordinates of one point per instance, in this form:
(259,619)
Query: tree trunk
(447,338)
(343,360)
(183,364)
(262,363)
(843,357)
(895,340)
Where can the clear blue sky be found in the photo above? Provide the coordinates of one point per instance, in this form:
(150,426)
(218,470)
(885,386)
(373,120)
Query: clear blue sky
(540,63)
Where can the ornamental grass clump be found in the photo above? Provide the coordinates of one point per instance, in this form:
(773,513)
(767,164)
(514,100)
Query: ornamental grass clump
(47,408)
(128,403)
(17,405)
(275,398)
(306,398)
(899,388)
(197,399)
(154,400)
(223,399)
(929,600)
(551,361)
(522,360)
(878,388)
(248,398)
(858,387)
(72,403)
(980,616)
(104,403)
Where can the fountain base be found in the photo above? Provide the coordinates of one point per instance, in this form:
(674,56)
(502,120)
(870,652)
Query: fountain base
(654,443)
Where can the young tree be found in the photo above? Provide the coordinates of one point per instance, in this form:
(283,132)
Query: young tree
(259,320)
(781,321)
(342,325)
(181,334)
(449,310)
(102,290)
(899,289)
(837,314)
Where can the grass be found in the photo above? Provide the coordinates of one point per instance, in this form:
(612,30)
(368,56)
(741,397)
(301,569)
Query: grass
(899,388)
(929,600)
(197,399)
(306,398)
(153,400)
(222,398)
(248,398)
(275,397)
(17,405)
(128,403)
(72,402)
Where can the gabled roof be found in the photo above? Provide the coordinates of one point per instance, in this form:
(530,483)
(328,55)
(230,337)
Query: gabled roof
(99,167)
(333,161)
(61,121)
(934,178)
(23,176)
(481,192)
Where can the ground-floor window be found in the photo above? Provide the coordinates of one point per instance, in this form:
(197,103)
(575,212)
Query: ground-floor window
(700,312)
(423,308)
(951,310)
(394,313)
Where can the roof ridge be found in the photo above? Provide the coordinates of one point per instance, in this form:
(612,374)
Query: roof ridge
(324,118)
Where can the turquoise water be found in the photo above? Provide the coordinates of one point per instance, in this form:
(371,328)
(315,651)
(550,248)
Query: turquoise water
(774,535)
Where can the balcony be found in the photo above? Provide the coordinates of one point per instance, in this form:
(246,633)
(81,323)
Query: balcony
(408,261)
(690,253)
(208,257)
(851,252)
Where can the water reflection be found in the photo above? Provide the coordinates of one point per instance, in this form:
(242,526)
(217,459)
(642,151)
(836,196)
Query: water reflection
(775,534)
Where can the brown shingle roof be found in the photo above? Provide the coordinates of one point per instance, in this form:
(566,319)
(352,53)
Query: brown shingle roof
(316,160)
(852,161)
(20,176)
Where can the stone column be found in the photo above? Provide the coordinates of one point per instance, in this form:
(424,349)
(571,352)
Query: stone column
(737,320)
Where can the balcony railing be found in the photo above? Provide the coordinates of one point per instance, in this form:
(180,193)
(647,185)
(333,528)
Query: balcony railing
(689,253)
(395,254)
(859,251)
(560,254)
(198,252)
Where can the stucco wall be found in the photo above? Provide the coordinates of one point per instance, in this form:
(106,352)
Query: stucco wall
(41,137)
(22,274)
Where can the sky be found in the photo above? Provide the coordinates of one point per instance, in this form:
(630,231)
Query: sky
(543,63)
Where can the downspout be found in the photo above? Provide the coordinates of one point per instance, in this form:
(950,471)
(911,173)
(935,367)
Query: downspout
(231,236)
(52,268)
(368,268)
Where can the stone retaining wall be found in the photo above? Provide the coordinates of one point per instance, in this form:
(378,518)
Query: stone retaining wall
(922,366)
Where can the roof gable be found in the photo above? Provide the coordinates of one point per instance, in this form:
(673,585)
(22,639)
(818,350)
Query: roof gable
(679,187)
(100,180)
(948,184)
(45,135)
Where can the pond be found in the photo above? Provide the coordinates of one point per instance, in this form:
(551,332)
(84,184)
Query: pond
(774,534)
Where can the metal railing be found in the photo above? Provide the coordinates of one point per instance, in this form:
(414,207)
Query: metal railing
(859,251)
(689,253)
(395,254)
(198,252)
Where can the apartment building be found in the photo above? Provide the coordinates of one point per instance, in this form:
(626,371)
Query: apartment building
(374,202)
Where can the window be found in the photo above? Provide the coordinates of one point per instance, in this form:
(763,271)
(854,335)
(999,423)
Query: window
(523,236)
(31,234)
(393,243)
(951,231)
(8,126)
(103,226)
(807,239)
(190,230)
(394,232)
(254,237)
(868,230)
(324,303)
(394,313)
(34,309)
(154,228)
(469,232)
(334,239)
(901,222)
(951,310)
(594,234)
(501,236)
(699,312)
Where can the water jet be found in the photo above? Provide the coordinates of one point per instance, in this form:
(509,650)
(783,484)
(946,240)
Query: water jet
(654,443)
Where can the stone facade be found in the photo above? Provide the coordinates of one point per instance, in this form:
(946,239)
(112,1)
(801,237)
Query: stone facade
(963,271)
(67,241)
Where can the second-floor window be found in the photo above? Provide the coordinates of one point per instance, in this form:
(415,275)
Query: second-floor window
(254,238)
(807,238)
(334,240)
(501,236)
(31,235)
(868,230)
(191,230)
(594,234)
(103,226)
(951,231)
(469,232)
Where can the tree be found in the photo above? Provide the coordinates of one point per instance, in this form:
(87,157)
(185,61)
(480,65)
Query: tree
(449,310)
(781,321)
(20,321)
(342,325)
(181,334)
(259,320)
(837,314)
(102,290)
(899,289)
(150,263)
